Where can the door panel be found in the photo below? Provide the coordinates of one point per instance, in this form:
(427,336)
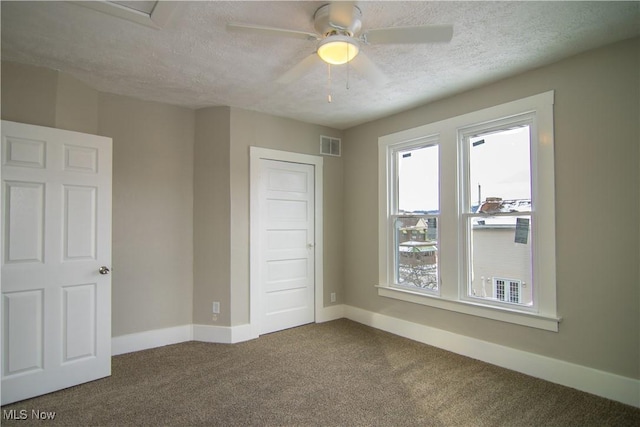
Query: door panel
(56,214)
(79,222)
(287,230)
(24,227)
(286,300)
(24,341)
(80,159)
(79,317)
(24,152)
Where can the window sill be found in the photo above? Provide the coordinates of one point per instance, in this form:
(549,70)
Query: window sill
(532,320)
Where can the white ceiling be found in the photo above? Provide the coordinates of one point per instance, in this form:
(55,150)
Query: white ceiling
(194,61)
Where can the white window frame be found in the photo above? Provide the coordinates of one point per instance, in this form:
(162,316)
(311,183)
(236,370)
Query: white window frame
(451,249)
(427,141)
(464,134)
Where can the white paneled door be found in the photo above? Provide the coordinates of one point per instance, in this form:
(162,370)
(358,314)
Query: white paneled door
(286,264)
(56,255)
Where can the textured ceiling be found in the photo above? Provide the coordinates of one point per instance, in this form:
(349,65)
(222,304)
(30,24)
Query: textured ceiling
(194,61)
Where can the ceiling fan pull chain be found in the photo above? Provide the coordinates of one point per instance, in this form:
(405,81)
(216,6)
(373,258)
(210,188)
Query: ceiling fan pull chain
(329,83)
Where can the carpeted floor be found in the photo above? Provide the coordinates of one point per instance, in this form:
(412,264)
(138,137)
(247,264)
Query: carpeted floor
(338,373)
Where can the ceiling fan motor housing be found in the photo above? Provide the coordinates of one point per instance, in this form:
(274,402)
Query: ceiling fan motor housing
(324,26)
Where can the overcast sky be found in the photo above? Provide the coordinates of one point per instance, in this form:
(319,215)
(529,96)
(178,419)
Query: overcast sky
(501,165)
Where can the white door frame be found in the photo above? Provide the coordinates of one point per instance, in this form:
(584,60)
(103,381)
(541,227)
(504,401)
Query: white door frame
(255,154)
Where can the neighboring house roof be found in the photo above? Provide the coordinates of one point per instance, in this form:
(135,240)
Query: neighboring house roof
(495,205)
(413,246)
(419,249)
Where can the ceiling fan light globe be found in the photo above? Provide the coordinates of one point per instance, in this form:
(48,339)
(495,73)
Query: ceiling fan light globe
(338,50)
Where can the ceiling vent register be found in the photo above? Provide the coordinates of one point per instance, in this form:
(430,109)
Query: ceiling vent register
(330,146)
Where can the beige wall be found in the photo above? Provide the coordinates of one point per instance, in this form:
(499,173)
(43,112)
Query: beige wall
(152,250)
(212,216)
(152,212)
(29,94)
(597,209)
(76,105)
(45,97)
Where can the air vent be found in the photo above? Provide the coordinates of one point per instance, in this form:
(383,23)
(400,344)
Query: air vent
(154,14)
(330,146)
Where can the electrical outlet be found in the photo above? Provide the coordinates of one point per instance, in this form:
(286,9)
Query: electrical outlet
(216,307)
(333,297)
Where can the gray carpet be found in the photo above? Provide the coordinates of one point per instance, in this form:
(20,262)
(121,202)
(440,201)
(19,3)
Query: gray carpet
(338,373)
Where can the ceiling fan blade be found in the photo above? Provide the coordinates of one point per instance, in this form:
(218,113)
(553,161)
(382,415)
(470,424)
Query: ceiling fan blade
(367,69)
(419,34)
(341,13)
(300,69)
(271,31)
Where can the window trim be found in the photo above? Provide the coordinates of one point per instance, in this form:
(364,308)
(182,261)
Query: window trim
(451,273)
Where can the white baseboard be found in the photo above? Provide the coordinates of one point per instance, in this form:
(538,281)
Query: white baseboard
(223,334)
(327,314)
(150,339)
(600,383)
(205,333)
(240,333)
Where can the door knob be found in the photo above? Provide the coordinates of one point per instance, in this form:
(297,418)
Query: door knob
(103,270)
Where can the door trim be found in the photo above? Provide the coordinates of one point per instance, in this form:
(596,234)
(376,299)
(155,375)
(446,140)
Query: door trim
(255,154)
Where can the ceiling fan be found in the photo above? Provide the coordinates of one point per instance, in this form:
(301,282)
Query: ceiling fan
(339,37)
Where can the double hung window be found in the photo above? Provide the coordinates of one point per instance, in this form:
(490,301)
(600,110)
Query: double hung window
(415,215)
(497,210)
(466,216)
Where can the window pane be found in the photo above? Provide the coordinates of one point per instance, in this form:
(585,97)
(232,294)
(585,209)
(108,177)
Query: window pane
(500,245)
(417,252)
(418,180)
(500,170)
(501,259)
